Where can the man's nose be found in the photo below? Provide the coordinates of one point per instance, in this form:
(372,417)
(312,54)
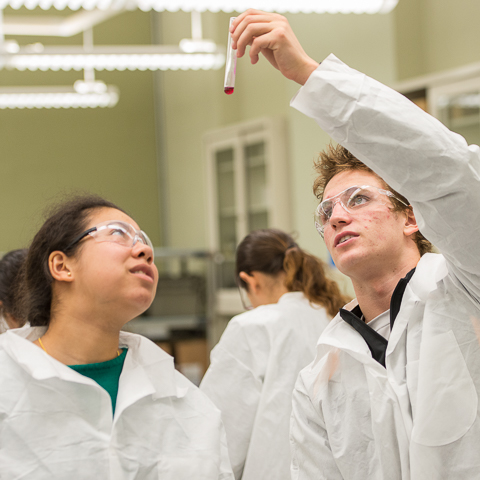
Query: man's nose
(339,214)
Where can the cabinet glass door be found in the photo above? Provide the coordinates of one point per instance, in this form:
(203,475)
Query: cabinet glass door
(256,186)
(247,190)
(227,218)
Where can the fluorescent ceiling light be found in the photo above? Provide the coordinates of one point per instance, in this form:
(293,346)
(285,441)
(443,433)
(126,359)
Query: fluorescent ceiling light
(190,45)
(121,57)
(81,95)
(282,6)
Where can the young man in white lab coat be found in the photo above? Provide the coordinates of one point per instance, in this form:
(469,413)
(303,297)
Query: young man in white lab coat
(412,414)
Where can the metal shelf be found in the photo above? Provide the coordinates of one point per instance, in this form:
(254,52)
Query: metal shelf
(158,328)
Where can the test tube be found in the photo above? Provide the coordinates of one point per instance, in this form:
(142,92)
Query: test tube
(230,65)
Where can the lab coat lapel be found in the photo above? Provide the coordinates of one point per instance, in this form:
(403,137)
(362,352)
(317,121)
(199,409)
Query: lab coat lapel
(147,370)
(35,361)
(403,346)
(417,290)
(342,336)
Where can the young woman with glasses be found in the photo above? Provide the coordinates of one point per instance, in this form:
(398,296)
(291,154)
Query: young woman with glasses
(78,397)
(254,366)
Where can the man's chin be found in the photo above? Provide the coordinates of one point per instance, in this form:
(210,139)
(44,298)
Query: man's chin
(348,264)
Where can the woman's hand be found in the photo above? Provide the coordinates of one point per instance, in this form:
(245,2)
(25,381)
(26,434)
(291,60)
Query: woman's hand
(271,35)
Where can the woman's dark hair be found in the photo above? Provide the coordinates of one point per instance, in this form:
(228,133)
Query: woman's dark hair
(272,251)
(65,222)
(11,266)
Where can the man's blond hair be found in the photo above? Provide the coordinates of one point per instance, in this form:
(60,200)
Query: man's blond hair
(337,159)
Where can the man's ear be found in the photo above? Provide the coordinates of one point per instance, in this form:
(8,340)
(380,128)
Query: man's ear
(250,280)
(58,265)
(410,226)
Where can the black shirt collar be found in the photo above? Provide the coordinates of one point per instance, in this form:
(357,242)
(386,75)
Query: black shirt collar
(376,343)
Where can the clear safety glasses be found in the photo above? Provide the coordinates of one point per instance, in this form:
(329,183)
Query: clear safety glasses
(114,231)
(247,305)
(352,199)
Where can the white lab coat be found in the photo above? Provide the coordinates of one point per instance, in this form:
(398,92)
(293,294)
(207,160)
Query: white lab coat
(56,424)
(417,418)
(251,378)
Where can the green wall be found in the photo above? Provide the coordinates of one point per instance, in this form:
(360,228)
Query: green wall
(114,152)
(436,35)
(50,153)
(195,103)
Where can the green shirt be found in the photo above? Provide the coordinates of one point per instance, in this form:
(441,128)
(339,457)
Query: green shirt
(106,374)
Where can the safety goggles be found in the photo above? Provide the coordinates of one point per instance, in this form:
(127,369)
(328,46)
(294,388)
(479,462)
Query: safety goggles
(243,295)
(114,231)
(244,298)
(352,199)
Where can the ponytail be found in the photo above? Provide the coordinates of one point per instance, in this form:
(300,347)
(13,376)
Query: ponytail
(305,273)
(272,251)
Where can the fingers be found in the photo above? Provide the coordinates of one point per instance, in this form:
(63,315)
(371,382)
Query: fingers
(257,35)
(251,11)
(262,44)
(271,35)
(252,24)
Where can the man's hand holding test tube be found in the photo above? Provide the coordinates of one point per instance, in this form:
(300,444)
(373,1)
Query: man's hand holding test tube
(271,35)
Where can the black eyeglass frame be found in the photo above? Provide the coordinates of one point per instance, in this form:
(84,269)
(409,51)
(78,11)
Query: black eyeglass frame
(79,237)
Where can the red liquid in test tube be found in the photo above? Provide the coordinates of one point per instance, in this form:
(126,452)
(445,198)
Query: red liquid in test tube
(230,65)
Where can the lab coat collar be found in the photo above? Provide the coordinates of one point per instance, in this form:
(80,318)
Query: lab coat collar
(291,297)
(147,368)
(41,366)
(423,282)
(342,336)
(397,296)
(145,359)
(420,285)
(375,342)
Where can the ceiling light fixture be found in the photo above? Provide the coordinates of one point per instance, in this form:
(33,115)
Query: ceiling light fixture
(81,95)
(281,6)
(122,57)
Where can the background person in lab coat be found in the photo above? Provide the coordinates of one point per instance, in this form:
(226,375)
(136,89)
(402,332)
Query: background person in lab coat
(10,266)
(393,391)
(79,398)
(254,366)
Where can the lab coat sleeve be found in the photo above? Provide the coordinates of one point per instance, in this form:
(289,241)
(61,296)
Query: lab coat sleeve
(225,466)
(412,151)
(233,384)
(310,449)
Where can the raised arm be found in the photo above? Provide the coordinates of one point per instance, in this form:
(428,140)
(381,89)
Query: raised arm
(412,151)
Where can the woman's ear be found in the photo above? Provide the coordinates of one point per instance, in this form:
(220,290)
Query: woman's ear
(410,226)
(57,263)
(250,280)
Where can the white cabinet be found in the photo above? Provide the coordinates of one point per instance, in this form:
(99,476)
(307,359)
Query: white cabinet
(452,96)
(457,105)
(248,189)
